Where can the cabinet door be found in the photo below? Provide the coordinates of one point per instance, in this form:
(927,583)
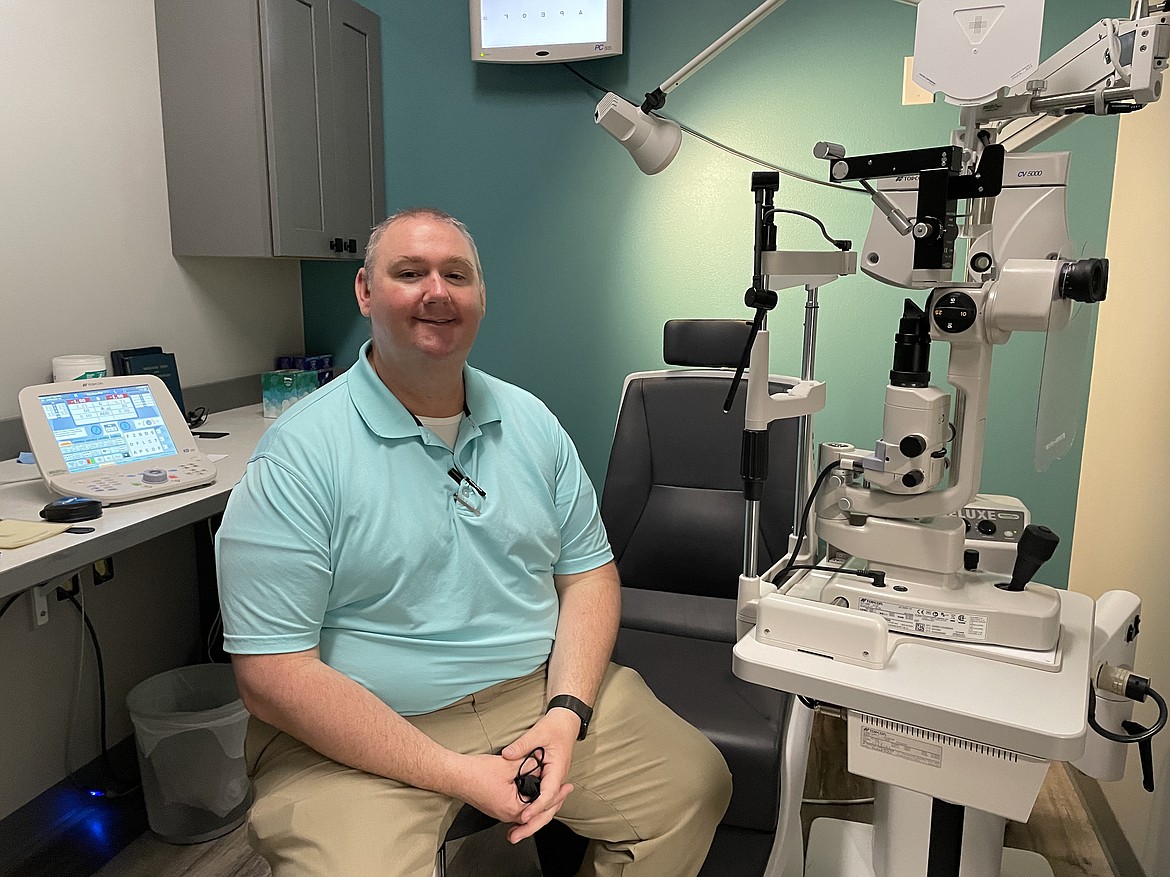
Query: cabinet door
(355,37)
(298,115)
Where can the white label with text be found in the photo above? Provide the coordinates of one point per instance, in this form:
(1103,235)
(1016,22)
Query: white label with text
(938,623)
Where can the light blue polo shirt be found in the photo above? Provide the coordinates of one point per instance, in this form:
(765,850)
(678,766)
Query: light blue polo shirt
(344,533)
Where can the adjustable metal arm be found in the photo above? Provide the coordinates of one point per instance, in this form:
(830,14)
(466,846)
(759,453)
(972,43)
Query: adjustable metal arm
(1114,66)
(656,99)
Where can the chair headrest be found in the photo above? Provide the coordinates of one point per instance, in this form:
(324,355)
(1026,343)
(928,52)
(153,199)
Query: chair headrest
(704,343)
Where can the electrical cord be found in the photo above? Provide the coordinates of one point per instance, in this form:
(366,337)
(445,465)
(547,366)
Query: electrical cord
(101,669)
(1138,737)
(71,715)
(196,417)
(788,172)
(877,576)
(101,686)
(840,244)
(213,635)
(804,516)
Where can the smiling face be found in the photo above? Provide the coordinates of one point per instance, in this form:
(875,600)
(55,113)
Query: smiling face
(424,296)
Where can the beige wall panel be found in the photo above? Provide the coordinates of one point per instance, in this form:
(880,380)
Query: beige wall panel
(1123,529)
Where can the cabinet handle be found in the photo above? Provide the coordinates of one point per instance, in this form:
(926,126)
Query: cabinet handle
(337,245)
(351,246)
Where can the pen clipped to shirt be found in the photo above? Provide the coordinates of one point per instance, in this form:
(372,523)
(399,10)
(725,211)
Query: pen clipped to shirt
(473,502)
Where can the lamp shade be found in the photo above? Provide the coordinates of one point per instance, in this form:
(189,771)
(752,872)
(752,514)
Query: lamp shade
(652,140)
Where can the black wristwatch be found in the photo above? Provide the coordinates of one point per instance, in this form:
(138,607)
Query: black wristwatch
(575,704)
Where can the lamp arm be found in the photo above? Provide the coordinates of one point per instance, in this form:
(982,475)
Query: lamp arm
(656,99)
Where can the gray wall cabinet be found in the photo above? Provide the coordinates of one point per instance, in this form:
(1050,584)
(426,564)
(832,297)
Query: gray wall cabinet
(272,126)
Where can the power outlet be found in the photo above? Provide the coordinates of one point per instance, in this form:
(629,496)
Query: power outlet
(103,570)
(70,587)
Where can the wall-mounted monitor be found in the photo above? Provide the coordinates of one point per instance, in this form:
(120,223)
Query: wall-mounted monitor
(545,31)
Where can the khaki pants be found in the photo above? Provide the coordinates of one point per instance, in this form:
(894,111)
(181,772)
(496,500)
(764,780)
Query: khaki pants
(649,789)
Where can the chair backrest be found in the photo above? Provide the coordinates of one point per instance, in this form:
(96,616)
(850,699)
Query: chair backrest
(673,497)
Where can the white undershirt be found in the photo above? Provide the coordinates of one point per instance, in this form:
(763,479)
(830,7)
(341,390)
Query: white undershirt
(446,428)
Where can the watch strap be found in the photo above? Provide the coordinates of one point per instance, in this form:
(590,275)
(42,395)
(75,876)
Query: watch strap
(575,704)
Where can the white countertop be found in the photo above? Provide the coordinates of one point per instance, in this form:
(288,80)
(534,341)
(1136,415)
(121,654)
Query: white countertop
(122,526)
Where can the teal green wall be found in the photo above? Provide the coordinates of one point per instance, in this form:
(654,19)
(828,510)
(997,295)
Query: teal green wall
(585,258)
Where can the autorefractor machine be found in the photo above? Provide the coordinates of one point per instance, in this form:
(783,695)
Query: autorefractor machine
(959,685)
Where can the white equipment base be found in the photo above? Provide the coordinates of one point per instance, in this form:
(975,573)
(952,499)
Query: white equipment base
(837,848)
(1037,712)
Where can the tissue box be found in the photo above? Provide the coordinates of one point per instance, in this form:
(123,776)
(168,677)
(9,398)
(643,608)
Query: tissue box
(281,388)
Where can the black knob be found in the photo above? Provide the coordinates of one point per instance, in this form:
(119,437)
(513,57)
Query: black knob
(912,446)
(1036,546)
(760,298)
(970,559)
(913,478)
(987,528)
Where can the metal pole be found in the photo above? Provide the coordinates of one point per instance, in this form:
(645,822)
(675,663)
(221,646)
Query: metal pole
(751,539)
(804,436)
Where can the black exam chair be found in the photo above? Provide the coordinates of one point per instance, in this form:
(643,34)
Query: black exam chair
(674,509)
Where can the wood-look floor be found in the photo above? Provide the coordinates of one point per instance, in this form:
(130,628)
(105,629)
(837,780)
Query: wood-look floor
(1058,829)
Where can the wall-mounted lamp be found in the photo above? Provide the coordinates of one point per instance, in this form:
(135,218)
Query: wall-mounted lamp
(652,140)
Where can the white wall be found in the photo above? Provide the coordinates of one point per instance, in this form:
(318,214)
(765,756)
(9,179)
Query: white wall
(86,267)
(1122,526)
(85,256)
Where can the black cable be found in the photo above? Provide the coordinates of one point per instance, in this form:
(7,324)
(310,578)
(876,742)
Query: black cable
(839,244)
(101,676)
(101,668)
(796,175)
(804,519)
(877,576)
(585,78)
(699,135)
(1128,738)
(97,650)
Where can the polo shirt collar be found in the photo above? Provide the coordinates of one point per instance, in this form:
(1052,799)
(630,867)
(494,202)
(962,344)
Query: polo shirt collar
(388,418)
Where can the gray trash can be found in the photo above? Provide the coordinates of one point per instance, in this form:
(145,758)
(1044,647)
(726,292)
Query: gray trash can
(189,725)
